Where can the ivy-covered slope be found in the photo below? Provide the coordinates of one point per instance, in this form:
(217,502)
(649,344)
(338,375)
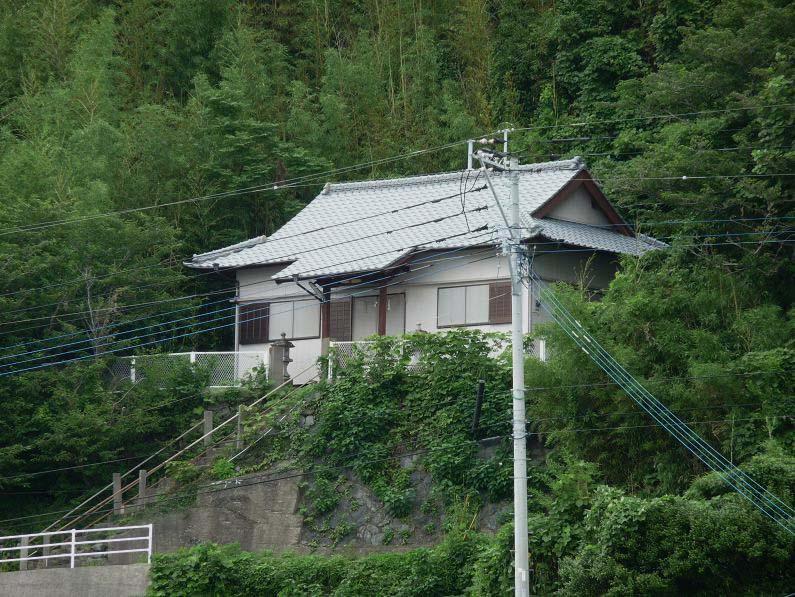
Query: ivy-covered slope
(593,526)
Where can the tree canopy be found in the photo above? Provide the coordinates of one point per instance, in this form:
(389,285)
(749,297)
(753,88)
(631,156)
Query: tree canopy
(203,108)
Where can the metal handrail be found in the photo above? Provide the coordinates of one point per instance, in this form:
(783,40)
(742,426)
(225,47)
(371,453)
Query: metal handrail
(73,544)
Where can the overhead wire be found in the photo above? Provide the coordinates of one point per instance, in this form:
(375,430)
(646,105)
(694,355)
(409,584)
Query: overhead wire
(269,186)
(530,389)
(289,183)
(294,254)
(239,483)
(148,343)
(651,117)
(434,258)
(93,341)
(162,464)
(766,502)
(414,277)
(95,344)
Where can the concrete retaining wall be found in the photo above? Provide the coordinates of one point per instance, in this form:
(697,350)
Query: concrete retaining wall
(90,581)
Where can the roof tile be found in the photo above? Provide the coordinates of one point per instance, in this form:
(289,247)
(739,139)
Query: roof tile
(320,240)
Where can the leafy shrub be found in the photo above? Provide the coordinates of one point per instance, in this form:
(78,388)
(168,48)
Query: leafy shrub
(182,471)
(210,569)
(323,494)
(223,469)
(673,545)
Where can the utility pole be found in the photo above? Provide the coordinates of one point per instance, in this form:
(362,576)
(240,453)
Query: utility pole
(521,559)
(512,244)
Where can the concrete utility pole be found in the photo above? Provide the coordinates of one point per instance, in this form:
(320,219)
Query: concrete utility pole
(512,247)
(521,565)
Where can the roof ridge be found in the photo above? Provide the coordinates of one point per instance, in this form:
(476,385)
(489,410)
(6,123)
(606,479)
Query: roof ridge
(222,252)
(576,163)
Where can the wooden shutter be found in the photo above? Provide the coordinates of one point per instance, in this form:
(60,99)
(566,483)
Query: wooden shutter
(340,320)
(253,323)
(500,302)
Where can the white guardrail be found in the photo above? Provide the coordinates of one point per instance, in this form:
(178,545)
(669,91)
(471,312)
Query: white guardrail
(227,369)
(75,547)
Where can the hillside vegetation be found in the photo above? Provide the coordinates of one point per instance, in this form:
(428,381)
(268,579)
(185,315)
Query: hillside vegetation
(683,111)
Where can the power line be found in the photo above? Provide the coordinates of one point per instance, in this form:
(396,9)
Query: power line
(169,459)
(163,263)
(40,366)
(641,118)
(214,487)
(269,241)
(67,468)
(289,183)
(94,340)
(271,186)
(431,258)
(94,345)
(637,226)
(403,281)
(672,178)
(506,393)
(693,149)
(294,254)
(763,500)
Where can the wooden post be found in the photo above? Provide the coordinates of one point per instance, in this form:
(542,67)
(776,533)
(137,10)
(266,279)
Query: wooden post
(118,505)
(382,302)
(208,427)
(325,322)
(239,435)
(141,486)
(23,553)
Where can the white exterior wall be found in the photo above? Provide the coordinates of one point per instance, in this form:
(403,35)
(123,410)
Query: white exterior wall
(421,286)
(578,208)
(256,285)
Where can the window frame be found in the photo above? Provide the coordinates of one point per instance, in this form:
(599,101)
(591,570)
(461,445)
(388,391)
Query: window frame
(292,315)
(461,325)
(376,296)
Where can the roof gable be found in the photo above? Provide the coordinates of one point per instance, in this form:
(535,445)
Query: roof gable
(585,181)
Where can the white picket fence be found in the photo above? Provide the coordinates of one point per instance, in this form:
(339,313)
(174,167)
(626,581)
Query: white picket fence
(227,369)
(74,544)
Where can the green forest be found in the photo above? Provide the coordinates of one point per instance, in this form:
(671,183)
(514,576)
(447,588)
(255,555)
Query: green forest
(135,133)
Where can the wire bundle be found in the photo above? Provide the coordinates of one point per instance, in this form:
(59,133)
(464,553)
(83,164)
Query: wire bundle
(762,499)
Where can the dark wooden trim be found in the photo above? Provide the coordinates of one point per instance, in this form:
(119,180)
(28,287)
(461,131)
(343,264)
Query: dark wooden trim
(325,314)
(341,319)
(382,299)
(500,302)
(584,178)
(252,323)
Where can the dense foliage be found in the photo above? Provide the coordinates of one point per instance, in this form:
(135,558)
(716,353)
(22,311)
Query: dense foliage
(683,110)
(628,546)
(407,405)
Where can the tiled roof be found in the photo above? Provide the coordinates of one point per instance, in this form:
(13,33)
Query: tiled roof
(593,237)
(319,242)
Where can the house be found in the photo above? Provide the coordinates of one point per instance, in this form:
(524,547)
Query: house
(395,255)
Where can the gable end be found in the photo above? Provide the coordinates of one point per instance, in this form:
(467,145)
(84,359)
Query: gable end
(583,179)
